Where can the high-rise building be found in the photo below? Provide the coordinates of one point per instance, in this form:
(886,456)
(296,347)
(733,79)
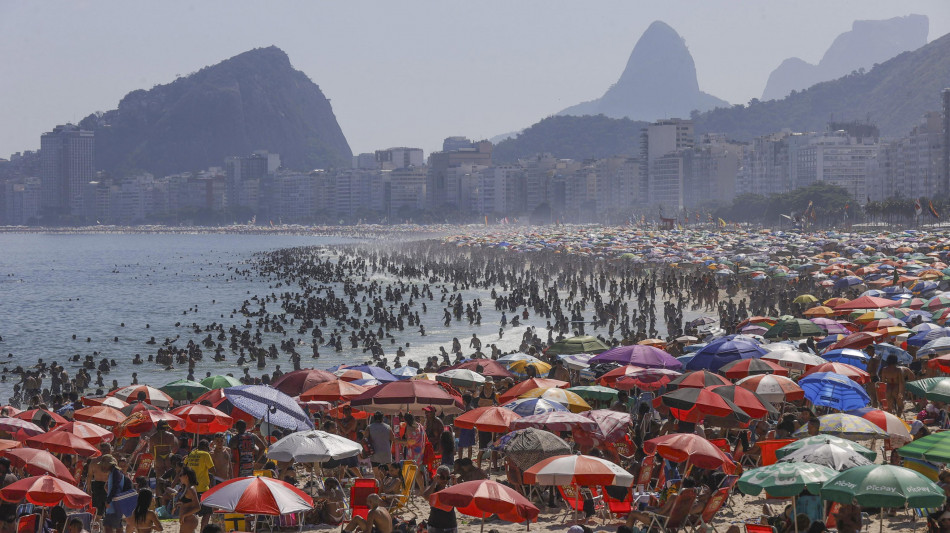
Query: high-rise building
(67,164)
(656,141)
(245,175)
(393,158)
(459,153)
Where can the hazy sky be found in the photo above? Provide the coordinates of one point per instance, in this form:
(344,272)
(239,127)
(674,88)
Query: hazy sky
(403,73)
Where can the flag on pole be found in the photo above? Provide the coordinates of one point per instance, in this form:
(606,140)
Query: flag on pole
(722,223)
(917,208)
(932,210)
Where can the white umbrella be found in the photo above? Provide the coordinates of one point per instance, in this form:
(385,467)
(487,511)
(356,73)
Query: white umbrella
(519,356)
(313,446)
(577,361)
(461,377)
(257,496)
(794,357)
(153,396)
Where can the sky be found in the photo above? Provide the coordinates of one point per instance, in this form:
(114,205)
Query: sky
(403,72)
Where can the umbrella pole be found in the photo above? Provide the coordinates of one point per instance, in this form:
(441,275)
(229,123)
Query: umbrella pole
(795,513)
(483,522)
(882,521)
(577,499)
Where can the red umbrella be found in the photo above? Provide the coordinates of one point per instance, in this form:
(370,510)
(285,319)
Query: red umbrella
(773,388)
(9,410)
(583,470)
(135,407)
(530,384)
(111,401)
(747,400)
(257,495)
(38,463)
(6,444)
(611,377)
(145,421)
(489,368)
(492,419)
(844,369)
(296,382)
(333,391)
(555,421)
(63,442)
(408,396)
(151,396)
(692,404)
(858,341)
(45,491)
(699,379)
(645,379)
(90,433)
(16,426)
(216,398)
(680,447)
(202,419)
(484,498)
(35,415)
(99,414)
(611,425)
(752,367)
(866,302)
(882,323)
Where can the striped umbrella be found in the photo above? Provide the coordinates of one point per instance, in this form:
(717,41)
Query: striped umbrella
(775,389)
(572,401)
(845,426)
(752,367)
(533,406)
(826,439)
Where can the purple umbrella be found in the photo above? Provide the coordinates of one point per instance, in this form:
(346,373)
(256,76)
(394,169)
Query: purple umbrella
(830,326)
(638,355)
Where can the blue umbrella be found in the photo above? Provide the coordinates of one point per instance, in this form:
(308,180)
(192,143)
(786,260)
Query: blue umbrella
(848,356)
(379,373)
(924,337)
(533,406)
(405,372)
(848,281)
(894,290)
(884,349)
(719,352)
(684,358)
(834,390)
(270,405)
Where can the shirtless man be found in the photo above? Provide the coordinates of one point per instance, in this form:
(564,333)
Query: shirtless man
(222,456)
(872,370)
(98,476)
(894,377)
(377,521)
(848,518)
(161,445)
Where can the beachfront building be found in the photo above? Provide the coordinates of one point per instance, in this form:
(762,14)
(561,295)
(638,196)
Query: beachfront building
(837,157)
(911,166)
(67,163)
(456,151)
(407,192)
(657,140)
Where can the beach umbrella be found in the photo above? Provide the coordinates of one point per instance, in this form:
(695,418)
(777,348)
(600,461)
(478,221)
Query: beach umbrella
(98,414)
(577,361)
(611,425)
(517,356)
(149,395)
(490,368)
(751,367)
(270,405)
(7,444)
(90,433)
(491,419)
(349,374)
(378,373)
(531,384)
(936,389)
(594,393)
(639,355)
(815,440)
(257,495)
(202,420)
(296,382)
(940,301)
(461,378)
(805,299)
(794,358)
(865,302)
(828,455)
(577,470)
(39,463)
(785,479)
(333,391)
(405,372)
(934,447)
(750,403)
(221,382)
(36,415)
(110,401)
(834,390)
(408,396)
(555,421)
(939,346)
(794,328)
(483,498)
(885,350)
(775,389)
(766,321)
(19,427)
(217,400)
(720,352)
(691,448)
(573,402)
(850,356)
(646,379)
(582,344)
(135,407)
(692,405)
(313,446)
(145,421)
(883,486)
(533,406)
(894,426)
(821,311)
(610,377)
(845,426)
(9,410)
(45,491)
(63,442)
(184,389)
(521,367)
(699,379)
(921,338)
(527,447)
(831,326)
(843,369)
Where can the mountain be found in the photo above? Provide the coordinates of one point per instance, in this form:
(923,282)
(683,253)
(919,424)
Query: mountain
(586,137)
(868,42)
(252,101)
(659,81)
(893,95)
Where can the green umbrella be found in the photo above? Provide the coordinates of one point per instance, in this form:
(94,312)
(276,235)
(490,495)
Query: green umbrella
(220,382)
(825,439)
(935,448)
(785,479)
(595,392)
(184,389)
(795,327)
(586,344)
(883,486)
(937,389)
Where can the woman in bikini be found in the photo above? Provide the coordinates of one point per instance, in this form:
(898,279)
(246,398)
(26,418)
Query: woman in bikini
(188,502)
(143,519)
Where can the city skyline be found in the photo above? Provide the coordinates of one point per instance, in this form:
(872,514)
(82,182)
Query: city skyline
(444,71)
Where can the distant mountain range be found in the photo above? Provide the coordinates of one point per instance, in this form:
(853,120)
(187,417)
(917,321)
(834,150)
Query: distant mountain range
(894,95)
(868,42)
(659,81)
(252,101)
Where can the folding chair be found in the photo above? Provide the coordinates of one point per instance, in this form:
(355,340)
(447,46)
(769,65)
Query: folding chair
(404,499)
(645,476)
(359,493)
(716,501)
(722,444)
(572,499)
(85,518)
(28,523)
(678,514)
(619,508)
(144,465)
(758,528)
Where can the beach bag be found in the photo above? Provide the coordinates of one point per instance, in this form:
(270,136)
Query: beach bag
(125,502)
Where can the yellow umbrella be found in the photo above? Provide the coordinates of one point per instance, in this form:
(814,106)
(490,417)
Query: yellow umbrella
(572,401)
(871,316)
(805,299)
(659,343)
(520,367)
(820,311)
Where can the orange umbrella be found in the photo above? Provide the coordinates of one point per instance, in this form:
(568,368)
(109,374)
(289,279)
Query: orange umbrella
(484,498)
(530,384)
(491,419)
(90,433)
(45,491)
(6,444)
(680,447)
(333,391)
(145,421)
(203,420)
(63,442)
(35,415)
(866,302)
(820,311)
(99,414)
(337,412)
(612,376)
(38,463)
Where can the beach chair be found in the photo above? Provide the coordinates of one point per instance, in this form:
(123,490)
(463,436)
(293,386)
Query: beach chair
(619,508)
(722,444)
(85,518)
(235,522)
(715,503)
(572,499)
(645,476)
(678,514)
(768,448)
(359,493)
(28,523)
(758,528)
(144,465)
(404,499)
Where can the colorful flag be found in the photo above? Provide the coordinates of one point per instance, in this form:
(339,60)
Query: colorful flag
(932,210)
(917,208)
(722,223)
